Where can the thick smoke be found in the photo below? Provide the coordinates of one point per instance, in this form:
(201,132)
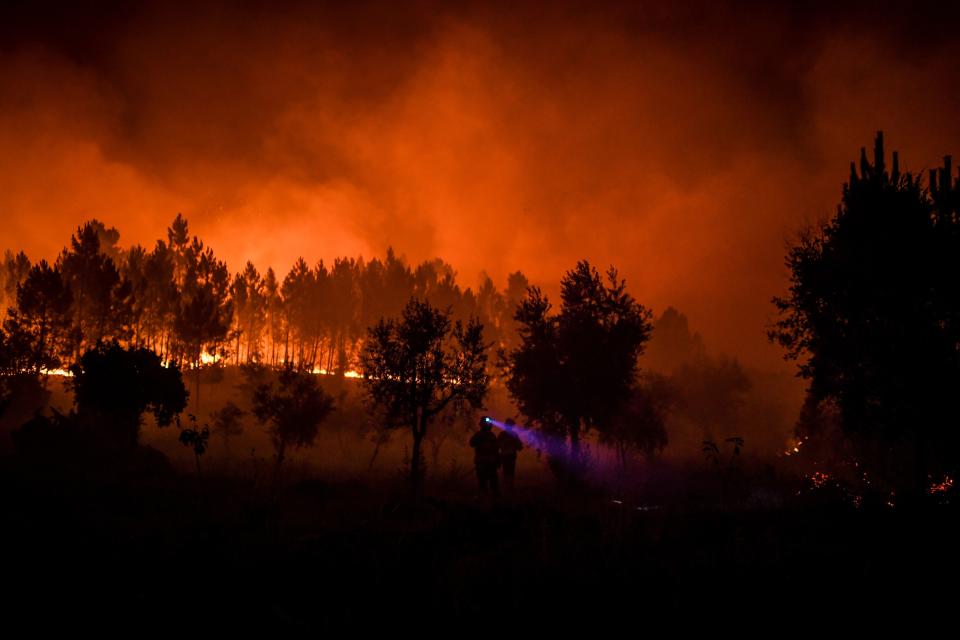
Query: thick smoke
(684,145)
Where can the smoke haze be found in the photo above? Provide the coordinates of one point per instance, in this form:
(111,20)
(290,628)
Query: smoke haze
(685,146)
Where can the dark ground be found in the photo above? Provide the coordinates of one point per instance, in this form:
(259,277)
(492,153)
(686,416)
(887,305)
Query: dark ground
(147,548)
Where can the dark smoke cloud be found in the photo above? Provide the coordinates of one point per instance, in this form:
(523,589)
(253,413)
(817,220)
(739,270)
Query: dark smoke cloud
(683,145)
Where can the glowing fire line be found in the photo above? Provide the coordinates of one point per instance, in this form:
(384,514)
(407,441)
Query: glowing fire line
(207,359)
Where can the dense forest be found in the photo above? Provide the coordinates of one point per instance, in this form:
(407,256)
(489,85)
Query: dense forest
(182,302)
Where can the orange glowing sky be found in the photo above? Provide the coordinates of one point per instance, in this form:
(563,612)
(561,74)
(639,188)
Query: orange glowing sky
(685,146)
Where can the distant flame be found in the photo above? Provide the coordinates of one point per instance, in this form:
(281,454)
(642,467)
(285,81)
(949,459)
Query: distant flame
(346,374)
(794,447)
(57,372)
(206,358)
(819,478)
(941,487)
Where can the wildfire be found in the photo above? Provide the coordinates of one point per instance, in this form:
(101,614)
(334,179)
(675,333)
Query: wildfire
(206,359)
(819,479)
(941,487)
(66,373)
(794,447)
(346,374)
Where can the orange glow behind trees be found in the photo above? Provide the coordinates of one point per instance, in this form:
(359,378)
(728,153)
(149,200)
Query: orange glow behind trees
(679,146)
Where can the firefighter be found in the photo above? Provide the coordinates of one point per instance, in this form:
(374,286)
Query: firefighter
(509,445)
(486,457)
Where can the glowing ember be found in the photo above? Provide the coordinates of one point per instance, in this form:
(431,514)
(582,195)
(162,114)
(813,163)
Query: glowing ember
(941,487)
(794,447)
(819,479)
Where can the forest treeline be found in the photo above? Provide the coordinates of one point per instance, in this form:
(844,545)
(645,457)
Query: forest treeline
(182,302)
(872,317)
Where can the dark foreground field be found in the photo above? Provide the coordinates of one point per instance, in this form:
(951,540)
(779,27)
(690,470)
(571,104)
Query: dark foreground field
(152,548)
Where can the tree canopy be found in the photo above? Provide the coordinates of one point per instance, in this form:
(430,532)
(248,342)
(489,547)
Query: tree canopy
(180,300)
(293,409)
(417,365)
(38,325)
(114,386)
(577,369)
(873,316)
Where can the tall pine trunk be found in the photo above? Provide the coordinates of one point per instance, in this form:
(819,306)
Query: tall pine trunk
(416,458)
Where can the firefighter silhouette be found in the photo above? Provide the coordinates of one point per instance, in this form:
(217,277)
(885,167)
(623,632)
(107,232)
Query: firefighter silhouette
(486,457)
(509,445)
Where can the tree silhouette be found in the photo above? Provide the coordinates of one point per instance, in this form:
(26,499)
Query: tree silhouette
(293,408)
(640,425)
(14,272)
(416,366)
(533,372)
(873,313)
(159,298)
(8,369)
(711,394)
(226,423)
(178,240)
(181,301)
(490,306)
(249,310)
(297,289)
(23,391)
(205,313)
(274,313)
(113,387)
(576,370)
(196,438)
(345,310)
(672,344)
(101,297)
(134,270)
(37,327)
(385,287)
